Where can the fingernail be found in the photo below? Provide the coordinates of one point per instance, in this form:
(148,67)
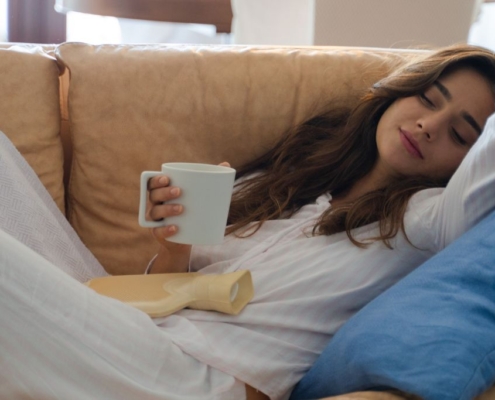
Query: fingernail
(175,191)
(177,209)
(172,228)
(163,180)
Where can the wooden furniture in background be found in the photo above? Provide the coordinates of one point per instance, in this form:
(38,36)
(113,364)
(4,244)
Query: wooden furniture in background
(214,12)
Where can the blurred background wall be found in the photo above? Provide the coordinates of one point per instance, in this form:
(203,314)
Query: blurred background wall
(376,23)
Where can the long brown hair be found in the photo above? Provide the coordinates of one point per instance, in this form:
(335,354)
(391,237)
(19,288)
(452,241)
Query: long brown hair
(332,151)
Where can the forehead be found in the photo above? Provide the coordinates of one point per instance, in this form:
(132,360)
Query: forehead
(468,81)
(471,91)
(462,73)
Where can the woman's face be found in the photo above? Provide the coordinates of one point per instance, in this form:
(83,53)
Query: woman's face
(429,134)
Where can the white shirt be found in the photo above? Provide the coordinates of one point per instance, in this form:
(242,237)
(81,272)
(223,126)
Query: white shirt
(307,286)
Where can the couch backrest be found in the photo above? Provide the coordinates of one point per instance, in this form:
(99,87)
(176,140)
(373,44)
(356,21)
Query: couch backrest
(134,107)
(29,110)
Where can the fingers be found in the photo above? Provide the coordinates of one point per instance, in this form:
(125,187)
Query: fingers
(160,191)
(164,232)
(160,195)
(161,211)
(158,182)
(225,164)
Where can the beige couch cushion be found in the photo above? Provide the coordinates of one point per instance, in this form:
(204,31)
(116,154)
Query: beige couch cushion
(29,111)
(132,108)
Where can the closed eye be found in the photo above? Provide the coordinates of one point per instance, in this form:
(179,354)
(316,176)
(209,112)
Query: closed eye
(426,100)
(458,138)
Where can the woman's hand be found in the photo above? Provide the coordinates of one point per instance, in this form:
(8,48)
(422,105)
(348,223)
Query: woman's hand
(172,257)
(159,192)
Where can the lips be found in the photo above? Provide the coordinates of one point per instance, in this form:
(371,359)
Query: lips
(410,144)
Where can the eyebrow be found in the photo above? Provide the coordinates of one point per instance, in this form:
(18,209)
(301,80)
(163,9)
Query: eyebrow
(467,117)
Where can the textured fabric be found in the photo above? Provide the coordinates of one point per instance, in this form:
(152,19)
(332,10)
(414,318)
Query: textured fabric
(29,111)
(135,107)
(431,335)
(28,213)
(306,287)
(61,340)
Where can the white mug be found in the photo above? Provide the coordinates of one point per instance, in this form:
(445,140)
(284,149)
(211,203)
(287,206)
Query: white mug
(206,192)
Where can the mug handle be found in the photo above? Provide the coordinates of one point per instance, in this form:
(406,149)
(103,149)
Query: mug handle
(145,177)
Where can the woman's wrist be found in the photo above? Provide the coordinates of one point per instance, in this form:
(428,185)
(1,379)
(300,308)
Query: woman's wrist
(171,258)
(150,265)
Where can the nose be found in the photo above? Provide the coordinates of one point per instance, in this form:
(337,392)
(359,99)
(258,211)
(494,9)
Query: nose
(431,125)
(425,132)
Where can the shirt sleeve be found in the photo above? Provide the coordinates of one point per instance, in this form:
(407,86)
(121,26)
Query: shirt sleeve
(470,194)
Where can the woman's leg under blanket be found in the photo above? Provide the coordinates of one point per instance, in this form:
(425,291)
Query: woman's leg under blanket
(28,213)
(61,340)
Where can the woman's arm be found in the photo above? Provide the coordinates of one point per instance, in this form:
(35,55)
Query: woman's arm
(171,257)
(470,194)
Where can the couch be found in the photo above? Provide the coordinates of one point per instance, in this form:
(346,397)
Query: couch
(89,119)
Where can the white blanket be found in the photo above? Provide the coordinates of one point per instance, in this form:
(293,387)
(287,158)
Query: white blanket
(28,213)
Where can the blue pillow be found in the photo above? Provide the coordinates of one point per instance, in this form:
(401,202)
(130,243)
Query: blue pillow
(432,334)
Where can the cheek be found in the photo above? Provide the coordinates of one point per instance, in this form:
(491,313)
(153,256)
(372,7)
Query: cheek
(449,164)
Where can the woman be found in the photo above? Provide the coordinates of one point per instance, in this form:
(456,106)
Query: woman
(325,221)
